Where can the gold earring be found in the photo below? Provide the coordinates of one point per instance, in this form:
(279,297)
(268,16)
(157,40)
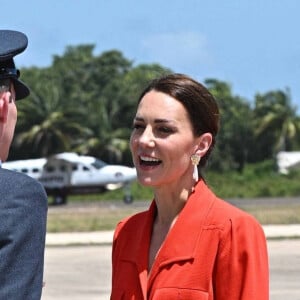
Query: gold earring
(195,158)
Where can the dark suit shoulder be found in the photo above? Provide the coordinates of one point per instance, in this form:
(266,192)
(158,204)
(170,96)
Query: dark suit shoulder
(6,175)
(20,185)
(23,220)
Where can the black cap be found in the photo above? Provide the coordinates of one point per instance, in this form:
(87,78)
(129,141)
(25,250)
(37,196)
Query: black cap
(11,44)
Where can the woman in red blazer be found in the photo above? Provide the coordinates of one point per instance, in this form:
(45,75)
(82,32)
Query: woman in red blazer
(189,244)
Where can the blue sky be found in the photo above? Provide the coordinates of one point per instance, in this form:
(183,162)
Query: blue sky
(252,44)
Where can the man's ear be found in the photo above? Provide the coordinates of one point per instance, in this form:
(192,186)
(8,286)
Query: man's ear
(3,109)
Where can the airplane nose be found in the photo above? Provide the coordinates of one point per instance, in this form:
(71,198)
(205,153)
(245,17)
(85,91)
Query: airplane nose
(132,173)
(118,175)
(127,174)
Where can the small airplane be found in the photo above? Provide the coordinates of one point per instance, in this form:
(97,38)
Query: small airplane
(69,173)
(288,160)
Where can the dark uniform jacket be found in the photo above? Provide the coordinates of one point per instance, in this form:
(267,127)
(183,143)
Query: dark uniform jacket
(23,216)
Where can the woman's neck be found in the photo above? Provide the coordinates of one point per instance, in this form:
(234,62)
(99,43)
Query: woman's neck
(170,201)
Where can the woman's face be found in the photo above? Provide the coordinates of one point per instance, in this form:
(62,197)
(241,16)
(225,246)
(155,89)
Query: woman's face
(162,140)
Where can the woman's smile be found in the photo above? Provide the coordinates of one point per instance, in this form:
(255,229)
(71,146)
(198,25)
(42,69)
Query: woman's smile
(148,161)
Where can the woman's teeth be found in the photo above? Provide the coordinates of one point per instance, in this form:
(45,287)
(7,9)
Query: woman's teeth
(149,160)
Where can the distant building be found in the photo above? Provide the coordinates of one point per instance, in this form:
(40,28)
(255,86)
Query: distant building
(287,161)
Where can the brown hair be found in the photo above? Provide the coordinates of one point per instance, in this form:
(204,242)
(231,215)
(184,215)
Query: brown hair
(201,106)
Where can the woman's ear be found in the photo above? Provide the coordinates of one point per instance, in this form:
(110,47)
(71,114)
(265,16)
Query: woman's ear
(204,143)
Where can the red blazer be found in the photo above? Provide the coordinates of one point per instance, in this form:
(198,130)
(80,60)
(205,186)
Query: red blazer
(214,251)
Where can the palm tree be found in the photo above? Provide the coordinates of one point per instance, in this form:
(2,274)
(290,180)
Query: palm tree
(48,124)
(107,142)
(276,117)
(234,139)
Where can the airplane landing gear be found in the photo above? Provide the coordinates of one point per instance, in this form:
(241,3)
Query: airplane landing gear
(58,195)
(59,199)
(128,198)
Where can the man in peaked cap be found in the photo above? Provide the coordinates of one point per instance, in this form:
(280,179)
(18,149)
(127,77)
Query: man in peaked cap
(12,43)
(23,201)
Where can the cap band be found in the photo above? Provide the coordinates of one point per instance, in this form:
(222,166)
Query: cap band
(9,72)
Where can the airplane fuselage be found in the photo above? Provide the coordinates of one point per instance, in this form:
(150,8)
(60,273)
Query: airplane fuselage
(69,173)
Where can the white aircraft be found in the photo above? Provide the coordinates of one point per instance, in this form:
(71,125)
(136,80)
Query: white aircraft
(287,161)
(69,173)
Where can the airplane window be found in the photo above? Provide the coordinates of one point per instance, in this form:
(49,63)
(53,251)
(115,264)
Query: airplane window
(24,170)
(98,164)
(63,168)
(35,170)
(50,169)
(85,168)
(74,167)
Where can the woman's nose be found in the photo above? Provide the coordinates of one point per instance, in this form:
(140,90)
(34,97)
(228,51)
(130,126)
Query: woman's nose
(147,137)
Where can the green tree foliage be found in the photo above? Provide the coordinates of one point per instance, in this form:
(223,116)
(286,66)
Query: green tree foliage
(47,125)
(128,89)
(277,126)
(82,103)
(101,107)
(86,103)
(235,137)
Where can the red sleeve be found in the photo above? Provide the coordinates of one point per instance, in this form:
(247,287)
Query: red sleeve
(242,269)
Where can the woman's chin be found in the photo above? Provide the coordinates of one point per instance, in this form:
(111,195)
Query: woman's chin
(146,181)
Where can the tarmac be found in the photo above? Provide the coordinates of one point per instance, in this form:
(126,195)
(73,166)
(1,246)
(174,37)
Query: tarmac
(291,231)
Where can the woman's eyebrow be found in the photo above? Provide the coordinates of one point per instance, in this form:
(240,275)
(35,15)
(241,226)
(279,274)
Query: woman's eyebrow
(140,119)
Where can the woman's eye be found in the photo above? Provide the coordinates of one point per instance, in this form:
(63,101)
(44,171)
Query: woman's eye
(137,126)
(165,130)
